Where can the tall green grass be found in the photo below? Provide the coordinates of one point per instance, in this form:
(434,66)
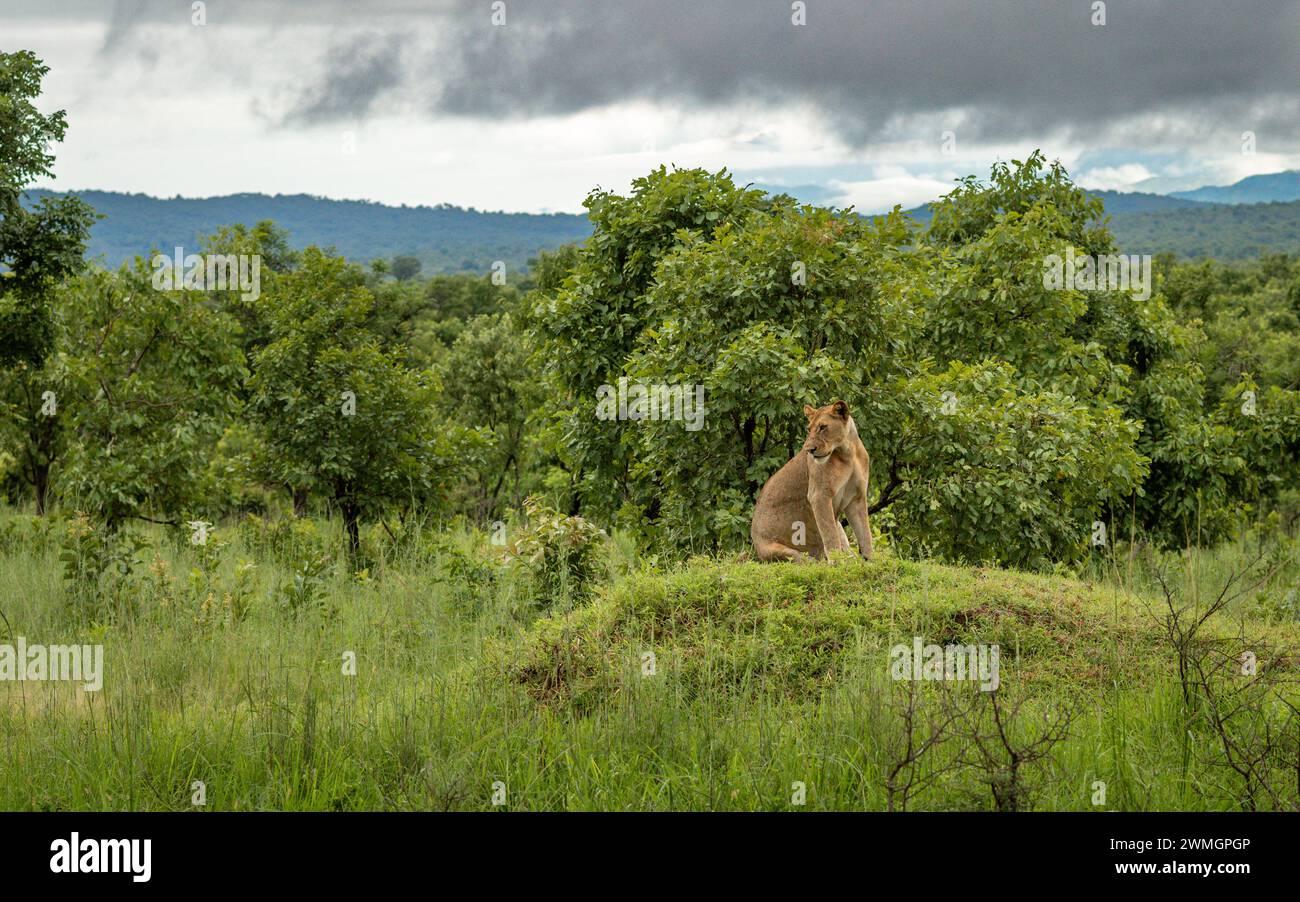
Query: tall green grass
(442,711)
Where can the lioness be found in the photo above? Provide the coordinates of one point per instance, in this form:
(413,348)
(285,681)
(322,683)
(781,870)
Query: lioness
(798,511)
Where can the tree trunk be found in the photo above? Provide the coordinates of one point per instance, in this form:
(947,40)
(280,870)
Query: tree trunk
(41,483)
(351,519)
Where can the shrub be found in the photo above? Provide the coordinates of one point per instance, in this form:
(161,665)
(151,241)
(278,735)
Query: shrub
(468,577)
(304,590)
(99,565)
(564,554)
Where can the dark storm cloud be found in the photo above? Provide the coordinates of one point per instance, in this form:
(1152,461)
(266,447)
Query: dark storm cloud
(998,69)
(1019,67)
(353,76)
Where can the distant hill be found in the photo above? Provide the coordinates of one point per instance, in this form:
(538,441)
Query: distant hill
(1116,202)
(1221,231)
(453,239)
(1255,189)
(1155,223)
(1140,202)
(444,238)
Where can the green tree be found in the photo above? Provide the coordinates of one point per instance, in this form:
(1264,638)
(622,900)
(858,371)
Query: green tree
(269,243)
(789,306)
(335,413)
(30,424)
(449,302)
(587,328)
(800,305)
(490,385)
(1103,347)
(405,268)
(41,246)
(151,381)
(776,305)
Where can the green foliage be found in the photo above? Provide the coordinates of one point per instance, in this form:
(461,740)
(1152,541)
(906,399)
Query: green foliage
(469,577)
(564,554)
(1120,355)
(34,535)
(304,589)
(549,269)
(31,426)
(336,414)
(288,541)
(1005,475)
(406,267)
(1250,316)
(215,603)
(1216,231)
(1003,415)
(791,306)
(39,246)
(442,306)
(268,242)
(1232,436)
(151,381)
(99,567)
(491,386)
(774,306)
(974,209)
(587,328)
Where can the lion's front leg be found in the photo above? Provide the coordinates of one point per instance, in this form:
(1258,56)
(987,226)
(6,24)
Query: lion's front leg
(858,519)
(828,525)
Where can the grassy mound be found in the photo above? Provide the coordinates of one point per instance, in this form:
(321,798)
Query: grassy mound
(797,630)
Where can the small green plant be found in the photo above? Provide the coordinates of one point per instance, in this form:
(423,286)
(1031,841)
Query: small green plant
(159,584)
(564,554)
(99,565)
(467,576)
(305,588)
(223,606)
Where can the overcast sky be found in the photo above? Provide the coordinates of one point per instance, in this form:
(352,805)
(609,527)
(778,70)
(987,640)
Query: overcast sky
(402,101)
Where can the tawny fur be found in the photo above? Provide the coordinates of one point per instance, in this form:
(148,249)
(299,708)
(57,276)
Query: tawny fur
(825,481)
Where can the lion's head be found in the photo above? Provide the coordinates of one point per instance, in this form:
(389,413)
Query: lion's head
(828,429)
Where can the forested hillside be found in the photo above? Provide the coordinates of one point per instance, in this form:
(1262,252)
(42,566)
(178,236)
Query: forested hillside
(444,238)
(447,239)
(1159,224)
(1219,231)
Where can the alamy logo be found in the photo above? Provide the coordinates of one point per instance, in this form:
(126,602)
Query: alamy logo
(946,662)
(70,663)
(103,856)
(656,401)
(1103,272)
(209,272)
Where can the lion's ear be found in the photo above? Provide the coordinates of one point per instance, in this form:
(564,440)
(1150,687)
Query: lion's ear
(809,411)
(840,409)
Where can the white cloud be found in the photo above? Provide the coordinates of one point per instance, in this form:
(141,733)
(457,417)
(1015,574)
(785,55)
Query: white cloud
(1114,178)
(880,195)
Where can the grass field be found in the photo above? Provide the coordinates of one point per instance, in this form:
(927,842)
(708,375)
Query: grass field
(713,684)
